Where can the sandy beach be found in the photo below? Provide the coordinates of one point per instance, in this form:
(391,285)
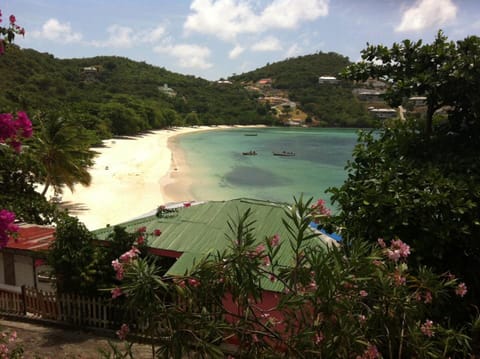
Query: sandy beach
(132,176)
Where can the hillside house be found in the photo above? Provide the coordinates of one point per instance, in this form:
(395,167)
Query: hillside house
(264,82)
(373,84)
(22,260)
(418,101)
(367,95)
(167,91)
(383,113)
(90,73)
(322,80)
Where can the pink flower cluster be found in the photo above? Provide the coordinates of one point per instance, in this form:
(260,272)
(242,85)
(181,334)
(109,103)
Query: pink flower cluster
(9,32)
(427,328)
(370,353)
(127,257)
(275,241)
(12,129)
(320,209)
(7,226)
(130,255)
(397,250)
(461,289)
(123,332)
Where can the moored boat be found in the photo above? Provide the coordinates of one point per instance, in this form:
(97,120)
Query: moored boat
(284,154)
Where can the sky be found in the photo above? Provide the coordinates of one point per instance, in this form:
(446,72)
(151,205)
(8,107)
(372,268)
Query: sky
(215,39)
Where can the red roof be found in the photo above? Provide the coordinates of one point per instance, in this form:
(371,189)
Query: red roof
(32,237)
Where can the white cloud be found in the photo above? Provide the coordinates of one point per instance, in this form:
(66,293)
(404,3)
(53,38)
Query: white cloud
(236,51)
(56,31)
(120,37)
(426,14)
(126,37)
(154,35)
(190,56)
(228,18)
(293,51)
(269,43)
(289,13)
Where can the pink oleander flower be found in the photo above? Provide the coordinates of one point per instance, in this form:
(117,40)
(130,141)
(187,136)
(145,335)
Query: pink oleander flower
(123,332)
(13,337)
(318,338)
(461,289)
(275,240)
(118,268)
(371,352)
(321,209)
(427,328)
(140,240)
(266,261)
(157,232)
(427,297)
(312,285)
(142,229)
(403,248)
(116,292)
(129,255)
(399,279)
(260,249)
(4,350)
(363,293)
(398,249)
(193,282)
(12,19)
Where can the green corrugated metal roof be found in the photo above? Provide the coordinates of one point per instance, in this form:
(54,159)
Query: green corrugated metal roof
(201,229)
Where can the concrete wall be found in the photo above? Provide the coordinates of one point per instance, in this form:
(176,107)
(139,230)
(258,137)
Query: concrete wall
(24,274)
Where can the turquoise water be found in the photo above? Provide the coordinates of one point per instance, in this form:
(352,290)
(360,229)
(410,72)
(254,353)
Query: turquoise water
(220,171)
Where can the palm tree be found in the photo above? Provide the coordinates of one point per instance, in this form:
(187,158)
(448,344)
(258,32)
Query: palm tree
(62,148)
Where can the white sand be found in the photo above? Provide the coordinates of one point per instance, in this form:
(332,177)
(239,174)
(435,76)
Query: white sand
(129,178)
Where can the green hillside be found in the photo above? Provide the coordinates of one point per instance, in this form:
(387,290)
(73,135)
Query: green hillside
(118,96)
(330,104)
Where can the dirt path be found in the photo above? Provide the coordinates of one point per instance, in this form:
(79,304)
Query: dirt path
(42,342)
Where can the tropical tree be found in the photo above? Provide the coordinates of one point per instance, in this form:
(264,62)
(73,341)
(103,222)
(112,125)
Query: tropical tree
(63,149)
(445,72)
(421,183)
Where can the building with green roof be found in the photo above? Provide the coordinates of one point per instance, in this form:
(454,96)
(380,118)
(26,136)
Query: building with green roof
(190,232)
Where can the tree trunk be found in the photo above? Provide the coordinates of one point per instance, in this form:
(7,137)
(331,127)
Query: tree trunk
(47,185)
(429,119)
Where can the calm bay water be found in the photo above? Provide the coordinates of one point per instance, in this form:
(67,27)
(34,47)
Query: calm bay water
(220,171)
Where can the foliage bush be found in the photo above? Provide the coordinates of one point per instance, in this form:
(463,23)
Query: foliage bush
(355,300)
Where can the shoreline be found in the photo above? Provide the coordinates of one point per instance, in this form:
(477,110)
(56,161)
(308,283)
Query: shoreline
(132,176)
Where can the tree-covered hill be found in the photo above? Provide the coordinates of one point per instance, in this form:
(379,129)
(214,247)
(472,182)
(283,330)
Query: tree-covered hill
(331,104)
(118,96)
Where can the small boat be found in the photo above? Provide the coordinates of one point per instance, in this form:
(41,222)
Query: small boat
(284,154)
(249,153)
(251,134)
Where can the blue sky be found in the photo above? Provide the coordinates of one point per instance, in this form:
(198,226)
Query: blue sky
(217,38)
